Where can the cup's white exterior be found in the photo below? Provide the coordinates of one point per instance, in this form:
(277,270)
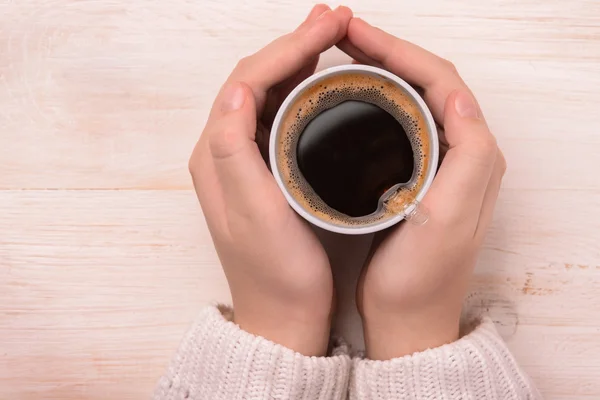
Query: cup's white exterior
(315,79)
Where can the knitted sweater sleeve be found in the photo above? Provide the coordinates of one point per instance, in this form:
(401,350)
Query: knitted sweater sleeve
(219,361)
(478,366)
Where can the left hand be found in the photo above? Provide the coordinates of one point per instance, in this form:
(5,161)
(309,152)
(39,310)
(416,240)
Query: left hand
(412,289)
(277,270)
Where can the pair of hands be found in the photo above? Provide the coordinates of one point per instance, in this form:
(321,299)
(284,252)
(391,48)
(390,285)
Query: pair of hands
(413,285)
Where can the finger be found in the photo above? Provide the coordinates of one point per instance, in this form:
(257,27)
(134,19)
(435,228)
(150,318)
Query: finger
(278,95)
(242,174)
(443,151)
(419,67)
(308,69)
(295,80)
(457,192)
(441,135)
(491,196)
(314,14)
(416,64)
(358,56)
(287,55)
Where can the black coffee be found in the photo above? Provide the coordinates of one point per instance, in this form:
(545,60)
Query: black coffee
(352,154)
(347,139)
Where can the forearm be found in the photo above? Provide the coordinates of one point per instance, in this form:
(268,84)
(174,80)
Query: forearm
(219,361)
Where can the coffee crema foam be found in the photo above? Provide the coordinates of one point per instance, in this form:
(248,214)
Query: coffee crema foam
(328,93)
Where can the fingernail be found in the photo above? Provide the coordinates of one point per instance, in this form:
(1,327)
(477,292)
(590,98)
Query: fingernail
(313,10)
(323,15)
(344,11)
(233,97)
(338,8)
(465,105)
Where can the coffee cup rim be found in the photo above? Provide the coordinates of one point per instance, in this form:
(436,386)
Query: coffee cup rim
(431,130)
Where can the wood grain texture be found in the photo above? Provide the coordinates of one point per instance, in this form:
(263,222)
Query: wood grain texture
(104,256)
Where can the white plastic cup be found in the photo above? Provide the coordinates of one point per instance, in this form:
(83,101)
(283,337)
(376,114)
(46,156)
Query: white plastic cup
(413,212)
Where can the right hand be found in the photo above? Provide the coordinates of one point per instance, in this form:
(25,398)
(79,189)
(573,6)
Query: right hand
(277,270)
(411,291)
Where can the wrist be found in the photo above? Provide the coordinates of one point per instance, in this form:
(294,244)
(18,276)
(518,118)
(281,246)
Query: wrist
(303,331)
(404,332)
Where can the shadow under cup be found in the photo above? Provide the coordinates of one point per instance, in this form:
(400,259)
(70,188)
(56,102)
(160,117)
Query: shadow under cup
(354,149)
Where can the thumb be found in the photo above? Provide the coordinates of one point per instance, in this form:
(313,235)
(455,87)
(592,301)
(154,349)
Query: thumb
(232,124)
(461,182)
(241,171)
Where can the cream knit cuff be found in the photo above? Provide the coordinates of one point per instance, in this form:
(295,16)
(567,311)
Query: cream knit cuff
(219,361)
(478,366)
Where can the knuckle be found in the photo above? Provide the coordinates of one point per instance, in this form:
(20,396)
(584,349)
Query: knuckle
(193,164)
(450,66)
(483,151)
(225,143)
(196,158)
(502,162)
(486,147)
(243,63)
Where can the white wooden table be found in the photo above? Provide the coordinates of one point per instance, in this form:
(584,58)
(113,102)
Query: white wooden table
(104,255)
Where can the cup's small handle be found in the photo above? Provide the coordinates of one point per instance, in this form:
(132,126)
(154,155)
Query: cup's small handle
(416,213)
